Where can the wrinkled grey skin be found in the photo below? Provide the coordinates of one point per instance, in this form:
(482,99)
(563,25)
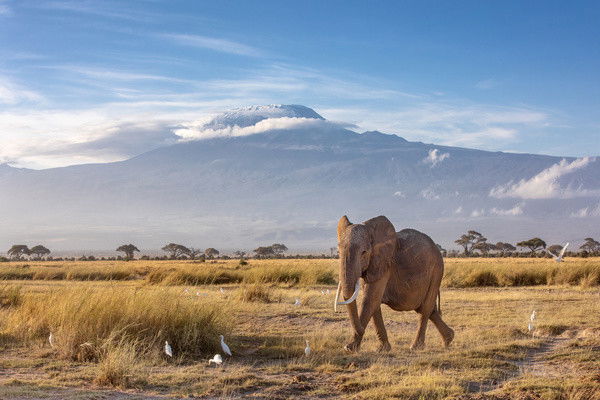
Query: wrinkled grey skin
(403,270)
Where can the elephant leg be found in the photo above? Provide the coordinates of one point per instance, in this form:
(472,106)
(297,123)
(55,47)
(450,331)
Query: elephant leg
(419,342)
(380,329)
(446,332)
(371,302)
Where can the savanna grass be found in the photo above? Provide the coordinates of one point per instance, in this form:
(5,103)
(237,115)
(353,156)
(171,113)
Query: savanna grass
(84,322)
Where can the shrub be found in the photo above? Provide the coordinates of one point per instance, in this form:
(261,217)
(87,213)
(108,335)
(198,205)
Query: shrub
(144,317)
(255,292)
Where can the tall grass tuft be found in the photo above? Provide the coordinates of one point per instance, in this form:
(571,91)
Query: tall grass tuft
(10,296)
(255,293)
(84,319)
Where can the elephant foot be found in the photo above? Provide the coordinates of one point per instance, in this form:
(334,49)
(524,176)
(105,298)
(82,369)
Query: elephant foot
(385,347)
(352,347)
(418,346)
(449,338)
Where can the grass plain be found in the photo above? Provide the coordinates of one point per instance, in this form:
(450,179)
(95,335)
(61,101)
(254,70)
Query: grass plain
(109,321)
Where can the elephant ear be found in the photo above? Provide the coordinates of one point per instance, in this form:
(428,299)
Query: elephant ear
(383,247)
(343,223)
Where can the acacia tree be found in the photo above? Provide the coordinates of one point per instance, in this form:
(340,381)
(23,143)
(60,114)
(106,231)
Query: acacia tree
(175,250)
(211,253)
(590,245)
(39,251)
(470,239)
(239,253)
(17,251)
(279,249)
(504,247)
(484,247)
(194,252)
(534,244)
(264,252)
(128,249)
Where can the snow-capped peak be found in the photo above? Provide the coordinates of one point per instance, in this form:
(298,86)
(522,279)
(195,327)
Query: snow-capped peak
(249,116)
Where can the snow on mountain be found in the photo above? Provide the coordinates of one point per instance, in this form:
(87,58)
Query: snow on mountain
(290,183)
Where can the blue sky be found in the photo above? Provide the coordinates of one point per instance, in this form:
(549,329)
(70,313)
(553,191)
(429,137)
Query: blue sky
(509,76)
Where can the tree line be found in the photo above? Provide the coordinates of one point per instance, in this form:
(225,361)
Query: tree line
(477,245)
(473,244)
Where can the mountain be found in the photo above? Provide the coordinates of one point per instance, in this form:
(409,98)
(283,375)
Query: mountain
(287,175)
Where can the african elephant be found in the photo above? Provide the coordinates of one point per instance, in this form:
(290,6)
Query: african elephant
(403,270)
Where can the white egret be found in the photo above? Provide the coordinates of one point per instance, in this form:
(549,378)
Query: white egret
(307,349)
(559,257)
(327,291)
(533,315)
(222,291)
(168,349)
(224,346)
(51,340)
(297,302)
(530,327)
(217,359)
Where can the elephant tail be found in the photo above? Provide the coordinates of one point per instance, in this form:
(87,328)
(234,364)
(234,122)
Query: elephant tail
(439,302)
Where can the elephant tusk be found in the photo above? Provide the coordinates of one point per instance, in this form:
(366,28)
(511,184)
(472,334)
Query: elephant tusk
(354,295)
(337,297)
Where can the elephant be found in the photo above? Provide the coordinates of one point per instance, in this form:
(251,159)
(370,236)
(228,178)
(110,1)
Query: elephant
(400,269)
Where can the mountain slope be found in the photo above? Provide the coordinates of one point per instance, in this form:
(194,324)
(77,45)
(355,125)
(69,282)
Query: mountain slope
(292,185)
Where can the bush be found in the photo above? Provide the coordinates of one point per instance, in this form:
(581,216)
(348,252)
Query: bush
(145,318)
(255,293)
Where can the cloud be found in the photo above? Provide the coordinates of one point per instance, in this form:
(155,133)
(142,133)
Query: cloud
(196,130)
(459,210)
(400,194)
(211,43)
(434,158)
(429,194)
(545,184)
(586,212)
(487,84)
(11,93)
(516,210)
(4,10)
(477,213)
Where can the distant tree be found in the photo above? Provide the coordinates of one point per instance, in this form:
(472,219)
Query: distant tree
(534,244)
(17,251)
(194,253)
(39,251)
(128,249)
(504,247)
(239,253)
(590,245)
(472,238)
(175,250)
(211,253)
(333,251)
(264,252)
(279,249)
(484,247)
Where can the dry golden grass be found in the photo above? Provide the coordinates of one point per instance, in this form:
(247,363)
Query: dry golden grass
(127,322)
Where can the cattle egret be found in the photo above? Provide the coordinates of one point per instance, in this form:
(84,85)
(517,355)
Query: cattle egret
(327,291)
(297,302)
(217,359)
(168,349)
(559,257)
(224,346)
(307,349)
(532,317)
(530,327)
(222,291)
(51,340)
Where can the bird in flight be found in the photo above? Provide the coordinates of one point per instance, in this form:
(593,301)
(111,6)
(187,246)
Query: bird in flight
(559,257)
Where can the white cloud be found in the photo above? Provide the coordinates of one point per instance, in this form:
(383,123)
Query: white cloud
(477,213)
(545,184)
(516,210)
(459,210)
(11,93)
(216,44)
(434,158)
(487,84)
(196,130)
(429,194)
(400,194)
(586,212)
